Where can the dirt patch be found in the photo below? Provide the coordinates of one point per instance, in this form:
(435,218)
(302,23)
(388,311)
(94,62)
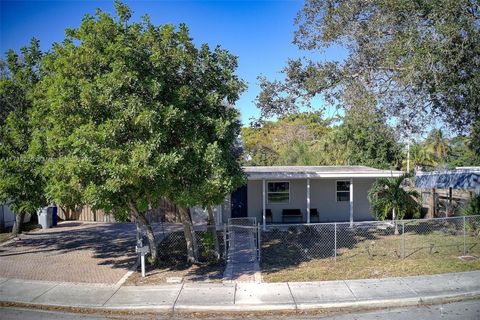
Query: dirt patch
(187,273)
(172,257)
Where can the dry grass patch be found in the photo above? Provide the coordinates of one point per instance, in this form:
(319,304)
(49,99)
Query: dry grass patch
(186,273)
(303,255)
(5,236)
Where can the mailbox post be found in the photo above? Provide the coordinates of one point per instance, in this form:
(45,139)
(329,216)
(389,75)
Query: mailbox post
(141,249)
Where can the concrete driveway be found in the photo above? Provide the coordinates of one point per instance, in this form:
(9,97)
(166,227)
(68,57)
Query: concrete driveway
(74,251)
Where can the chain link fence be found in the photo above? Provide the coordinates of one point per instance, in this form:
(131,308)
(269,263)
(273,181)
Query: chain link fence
(290,245)
(172,246)
(284,247)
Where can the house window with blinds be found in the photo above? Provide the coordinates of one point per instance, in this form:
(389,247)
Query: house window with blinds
(278,192)
(343,190)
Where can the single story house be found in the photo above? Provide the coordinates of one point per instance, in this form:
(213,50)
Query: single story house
(305,194)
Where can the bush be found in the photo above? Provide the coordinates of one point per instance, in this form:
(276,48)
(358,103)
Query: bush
(472,207)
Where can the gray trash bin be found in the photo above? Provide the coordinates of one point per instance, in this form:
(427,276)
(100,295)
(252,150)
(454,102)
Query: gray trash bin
(45,218)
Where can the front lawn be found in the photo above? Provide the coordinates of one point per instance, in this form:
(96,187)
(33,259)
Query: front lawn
(304,254)
(6,234)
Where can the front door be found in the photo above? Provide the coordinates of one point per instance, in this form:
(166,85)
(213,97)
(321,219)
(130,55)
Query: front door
(239,203)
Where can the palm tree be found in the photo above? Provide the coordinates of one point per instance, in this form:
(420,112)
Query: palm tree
(438,145)
(420,156)
(388,196)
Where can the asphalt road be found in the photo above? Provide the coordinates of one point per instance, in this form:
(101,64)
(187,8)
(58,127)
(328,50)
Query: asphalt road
(460,310)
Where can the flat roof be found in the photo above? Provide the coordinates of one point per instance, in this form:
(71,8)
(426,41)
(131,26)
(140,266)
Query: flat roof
(302,172)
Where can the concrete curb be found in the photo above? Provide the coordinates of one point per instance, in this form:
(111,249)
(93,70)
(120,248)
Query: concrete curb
(271,308)
(390,303)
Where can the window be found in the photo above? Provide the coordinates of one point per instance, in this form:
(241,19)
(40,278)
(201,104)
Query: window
(278,192)
(343,190)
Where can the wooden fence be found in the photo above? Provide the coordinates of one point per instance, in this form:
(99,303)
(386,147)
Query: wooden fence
(165,212)
(443,202)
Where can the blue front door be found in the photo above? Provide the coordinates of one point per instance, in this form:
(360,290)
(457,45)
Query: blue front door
(239,203)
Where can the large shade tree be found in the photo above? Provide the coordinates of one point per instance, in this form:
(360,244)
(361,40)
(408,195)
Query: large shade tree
(307,138)
(132,112)
(21,179)
(210,173)
(368,140)
(414,60)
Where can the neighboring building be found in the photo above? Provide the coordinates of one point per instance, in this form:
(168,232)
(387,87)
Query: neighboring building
(445,192)
(7,217)
(285,194)
(462,178)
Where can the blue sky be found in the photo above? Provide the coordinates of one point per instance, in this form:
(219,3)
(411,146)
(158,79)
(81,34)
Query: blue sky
(259,32)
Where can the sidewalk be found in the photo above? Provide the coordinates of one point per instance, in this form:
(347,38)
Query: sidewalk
(388,292)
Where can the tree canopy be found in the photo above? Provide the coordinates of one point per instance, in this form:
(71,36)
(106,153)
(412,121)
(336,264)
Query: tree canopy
(309,139)
(414,60)
(134,111)
(21,179)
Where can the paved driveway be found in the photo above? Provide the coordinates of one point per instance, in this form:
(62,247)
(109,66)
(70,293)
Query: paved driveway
(73,251)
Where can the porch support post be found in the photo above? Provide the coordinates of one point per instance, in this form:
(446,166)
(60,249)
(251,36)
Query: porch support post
(351,202)
(263,206)
(308,200)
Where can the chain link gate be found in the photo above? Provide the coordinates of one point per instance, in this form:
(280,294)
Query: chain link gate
(242,240)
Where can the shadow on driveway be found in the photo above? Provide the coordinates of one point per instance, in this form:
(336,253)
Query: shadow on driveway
(72,252)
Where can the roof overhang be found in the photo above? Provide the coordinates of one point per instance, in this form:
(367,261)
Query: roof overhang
(343,172)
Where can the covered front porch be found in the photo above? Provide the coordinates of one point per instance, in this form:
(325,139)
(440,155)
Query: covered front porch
(277,195)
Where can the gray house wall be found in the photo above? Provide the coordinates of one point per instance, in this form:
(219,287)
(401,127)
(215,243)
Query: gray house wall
(361,205)
(7,216)
(254,199)
(322,197)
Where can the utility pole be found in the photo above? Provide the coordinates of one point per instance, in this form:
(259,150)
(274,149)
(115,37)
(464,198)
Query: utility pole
(408,156)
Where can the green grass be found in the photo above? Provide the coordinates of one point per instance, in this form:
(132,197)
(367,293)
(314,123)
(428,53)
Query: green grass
(5,236)
(293,255)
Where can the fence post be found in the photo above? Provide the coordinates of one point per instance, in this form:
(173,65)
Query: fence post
(259,230)
(464,237)
(225,241)
(335,250)
(403,239)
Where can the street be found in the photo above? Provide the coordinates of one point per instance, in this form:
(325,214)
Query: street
(460,310)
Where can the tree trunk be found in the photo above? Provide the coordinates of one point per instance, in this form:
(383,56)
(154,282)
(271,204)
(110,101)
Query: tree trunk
(17,224)
(150,234)
(192,246)
(212,228)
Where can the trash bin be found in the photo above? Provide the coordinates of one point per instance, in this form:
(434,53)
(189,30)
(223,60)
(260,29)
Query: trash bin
(45,218)
(54,216)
